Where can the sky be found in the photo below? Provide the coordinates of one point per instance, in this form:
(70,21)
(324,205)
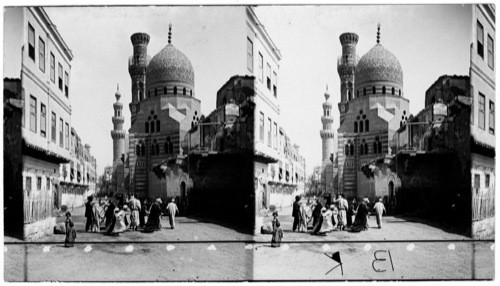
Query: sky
(428,40)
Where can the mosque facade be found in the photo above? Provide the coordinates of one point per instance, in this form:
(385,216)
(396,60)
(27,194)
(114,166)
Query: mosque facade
(372,108)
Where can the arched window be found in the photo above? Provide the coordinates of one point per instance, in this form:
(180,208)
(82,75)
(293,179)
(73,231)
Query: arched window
(152,127)
(156,92)
(346,151)
(356,126)
(146,127)
(367,125)
(374,91)
(393,91)
(165,90)
(170,148)
(351,147)
(361,126)
(184,91)
(383,89)
(349,95)
(138,150)
(400,92)
(366,148)
(143,149)
(364,91)
(361,149)
(157,125)
(175,89)
(379,147)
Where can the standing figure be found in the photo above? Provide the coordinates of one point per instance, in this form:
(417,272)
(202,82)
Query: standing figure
(88,212)
(135,208)
(379,210)
(360,222)
(335,215)
(326,225)
(95,217)
(303,218)
(342,206)
(172,211)
(110,216)
(119,221)
(142,214)
(275,220)
(317,211)
(70,235)
(350,213)
(154,217)
(277,235)
(296,213)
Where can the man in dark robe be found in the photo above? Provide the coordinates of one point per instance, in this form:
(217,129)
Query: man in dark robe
(360,221)
(317,212)
(296,213)
(110,216)
(154,223)
(88,212)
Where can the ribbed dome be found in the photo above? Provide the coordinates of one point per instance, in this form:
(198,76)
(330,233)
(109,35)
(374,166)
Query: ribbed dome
(378,64)
(170,65)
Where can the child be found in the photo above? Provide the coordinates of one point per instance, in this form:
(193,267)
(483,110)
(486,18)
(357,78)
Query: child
(379,210)
(277,235)
(70,235)
(275,219)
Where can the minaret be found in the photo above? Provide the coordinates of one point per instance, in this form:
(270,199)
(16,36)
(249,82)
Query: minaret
(327,132)
(137,65)
(346,66)
(118,134)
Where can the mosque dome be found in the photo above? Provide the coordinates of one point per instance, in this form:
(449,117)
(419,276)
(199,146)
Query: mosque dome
(378,65)
(170,65)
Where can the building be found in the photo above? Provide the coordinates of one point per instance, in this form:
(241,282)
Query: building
(372,108)
(327,139)
(44,62)
(482,123)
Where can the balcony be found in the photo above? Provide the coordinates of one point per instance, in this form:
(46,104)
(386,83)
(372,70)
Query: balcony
(347,61)
(138,61)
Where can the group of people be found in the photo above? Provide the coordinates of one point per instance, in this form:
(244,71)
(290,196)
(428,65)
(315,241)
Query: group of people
(336,215)
(118,216)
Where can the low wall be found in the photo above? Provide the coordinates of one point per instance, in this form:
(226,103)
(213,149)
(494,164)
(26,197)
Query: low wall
(34,231)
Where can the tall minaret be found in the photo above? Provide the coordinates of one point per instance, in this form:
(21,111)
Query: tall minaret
(137,65)
(327,132)
(118,134)
(346,66)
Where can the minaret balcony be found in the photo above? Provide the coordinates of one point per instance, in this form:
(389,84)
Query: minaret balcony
(327,134)
(347,61)
(327,119)
(118,119)
(141,61)
(118,134)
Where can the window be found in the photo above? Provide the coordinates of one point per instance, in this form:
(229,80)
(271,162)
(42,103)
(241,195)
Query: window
(61,132)
(66,84)
(379,147)
(492,117)
(366,148)
(269,132)
(184,91)
(249,55)
(268,76)
(53,127)
(261,127)
(32,113)
(261,67)
(191,92)
(52,68)
(165,90)
(152,127)
(157,125)
(487,181)
(66,135)
(367,125)
(351,149)
(393,91)
(275,138)
(364,91)
(41,52)
(374,91)
(400,92)
(346,150)
(275,84)
(47,182)
(28,185)
(357,93)
(43,120)
(491,53)
(175,89)
(361,126)
(349,95)
(156,92)
(355,126)
(38,183)
(383,90)
(477,182)
(60,72)
(361,149)
(481,114)
(146,127)
(31,42)
(480,40)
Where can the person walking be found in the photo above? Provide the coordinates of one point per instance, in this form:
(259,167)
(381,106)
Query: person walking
(135,208)
(296,213)
(95,216)
(342,207)
(379,211)
(303,217)
(154,217)
(88,212)
(316,213)
(172,211)
(361,220)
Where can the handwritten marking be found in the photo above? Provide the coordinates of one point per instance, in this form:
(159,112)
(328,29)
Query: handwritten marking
(380,259)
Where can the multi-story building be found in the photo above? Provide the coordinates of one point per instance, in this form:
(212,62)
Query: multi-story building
(44,62)
(482,84)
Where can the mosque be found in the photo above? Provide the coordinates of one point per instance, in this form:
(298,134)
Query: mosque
(372,108)
(163,109)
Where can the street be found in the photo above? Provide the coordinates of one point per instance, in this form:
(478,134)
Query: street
(206,251)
